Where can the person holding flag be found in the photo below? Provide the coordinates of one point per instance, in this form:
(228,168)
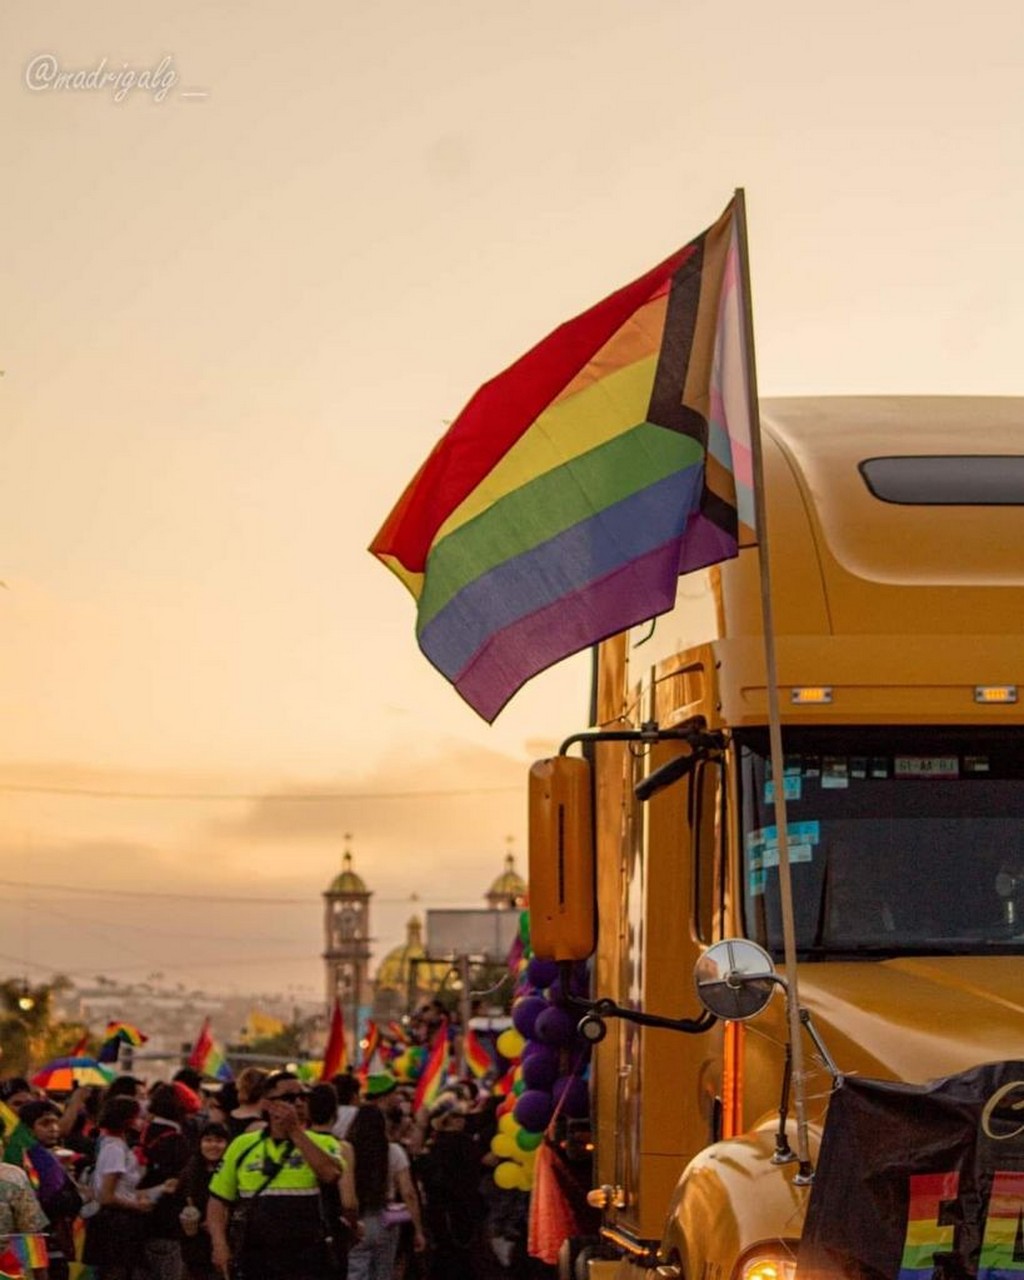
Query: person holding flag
(22,1223)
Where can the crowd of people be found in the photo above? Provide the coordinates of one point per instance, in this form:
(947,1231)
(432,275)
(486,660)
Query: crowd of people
(266,1178)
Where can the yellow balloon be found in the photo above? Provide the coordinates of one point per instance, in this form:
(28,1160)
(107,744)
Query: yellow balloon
(509,1124)
(510,1044)
(504,1145)
(507,1176)
(526,1178)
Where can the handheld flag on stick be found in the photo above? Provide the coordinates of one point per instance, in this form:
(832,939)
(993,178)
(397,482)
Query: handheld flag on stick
(17,1137)
(207,1057)
(478,1059)
(117,1034)
(371,1057)
(574,488)
(335,1057)
(21,1255)
(80,1048)
(435,1069)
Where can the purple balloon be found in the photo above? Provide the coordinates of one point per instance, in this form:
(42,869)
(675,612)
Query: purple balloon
(540,1070)
(525,1013)
(541,973)
(533,1110)
(530,1048)
(555,1026)
(577,1096)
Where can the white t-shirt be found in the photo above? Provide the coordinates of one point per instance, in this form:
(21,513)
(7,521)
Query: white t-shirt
(345,1117)
(115,1156)
(398,1160)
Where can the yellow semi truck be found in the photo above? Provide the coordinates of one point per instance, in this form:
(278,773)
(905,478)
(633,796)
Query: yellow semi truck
(896,545)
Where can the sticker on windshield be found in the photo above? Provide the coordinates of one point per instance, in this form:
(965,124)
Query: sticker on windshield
(763,850)
(797,853)
(976,764)
(926,767)
(791,786)
(763,843)
(835,773)
(879,767)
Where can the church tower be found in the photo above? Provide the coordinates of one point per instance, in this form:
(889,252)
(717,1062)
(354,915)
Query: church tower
(347,947)
(508,892)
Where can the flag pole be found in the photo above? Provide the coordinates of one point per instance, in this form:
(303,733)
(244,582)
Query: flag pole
(774,714)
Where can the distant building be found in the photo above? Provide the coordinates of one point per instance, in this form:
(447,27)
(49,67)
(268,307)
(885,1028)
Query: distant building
(508,892)
(416,969)
(405,977)
(346,952)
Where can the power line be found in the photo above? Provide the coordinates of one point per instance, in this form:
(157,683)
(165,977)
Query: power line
(277,797)
(311,900)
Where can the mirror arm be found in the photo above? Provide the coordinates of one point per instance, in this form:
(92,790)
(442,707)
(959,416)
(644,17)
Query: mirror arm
(692,731)
(783,1152)
(819,1044)
(606,1008)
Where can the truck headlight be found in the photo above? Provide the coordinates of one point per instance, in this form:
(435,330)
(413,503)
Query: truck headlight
(769,1262)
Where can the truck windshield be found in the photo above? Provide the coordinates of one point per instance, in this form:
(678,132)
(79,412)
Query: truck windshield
(901,840)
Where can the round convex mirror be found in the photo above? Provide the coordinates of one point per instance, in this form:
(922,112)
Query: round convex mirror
(735,979)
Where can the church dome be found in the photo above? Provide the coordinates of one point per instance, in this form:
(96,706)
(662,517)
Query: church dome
(346,881)
(509,889)
(396,968)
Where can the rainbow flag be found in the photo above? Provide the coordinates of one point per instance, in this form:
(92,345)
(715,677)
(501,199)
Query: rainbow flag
(478,1059)
(397,1033)
(116,1034)
(574,488)
(502,1087)
(77,1269)
(335,1056)
(206,1055)
(371,1046)
(17,1137)
(21,1255)
(435,1069)
(81,1047)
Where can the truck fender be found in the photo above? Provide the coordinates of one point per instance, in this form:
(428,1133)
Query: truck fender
(730,1199)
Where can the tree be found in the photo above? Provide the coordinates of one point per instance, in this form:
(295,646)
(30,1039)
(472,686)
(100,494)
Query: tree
(29,1034)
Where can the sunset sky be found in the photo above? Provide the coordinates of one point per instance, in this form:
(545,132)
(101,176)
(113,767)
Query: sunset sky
(238,313)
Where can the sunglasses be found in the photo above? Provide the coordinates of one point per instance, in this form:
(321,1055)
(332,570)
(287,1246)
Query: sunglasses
(297,1096)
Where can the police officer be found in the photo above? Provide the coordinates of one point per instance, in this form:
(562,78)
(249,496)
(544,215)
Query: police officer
(267,1190)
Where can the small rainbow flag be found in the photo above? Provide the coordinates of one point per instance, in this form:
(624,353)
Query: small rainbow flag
(117,1034)
(435,1069)
(23,1254)
(371,1044)
(335,1056)
(503,1087)
(207,1057)
(397,1033)
(478,1059)
(17,1138)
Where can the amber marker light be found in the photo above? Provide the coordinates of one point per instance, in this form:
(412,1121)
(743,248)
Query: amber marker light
(767,1264)
(811,695)
(996,695)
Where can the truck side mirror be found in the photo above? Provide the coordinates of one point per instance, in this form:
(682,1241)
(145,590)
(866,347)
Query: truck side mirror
(735,979)
(563,876)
